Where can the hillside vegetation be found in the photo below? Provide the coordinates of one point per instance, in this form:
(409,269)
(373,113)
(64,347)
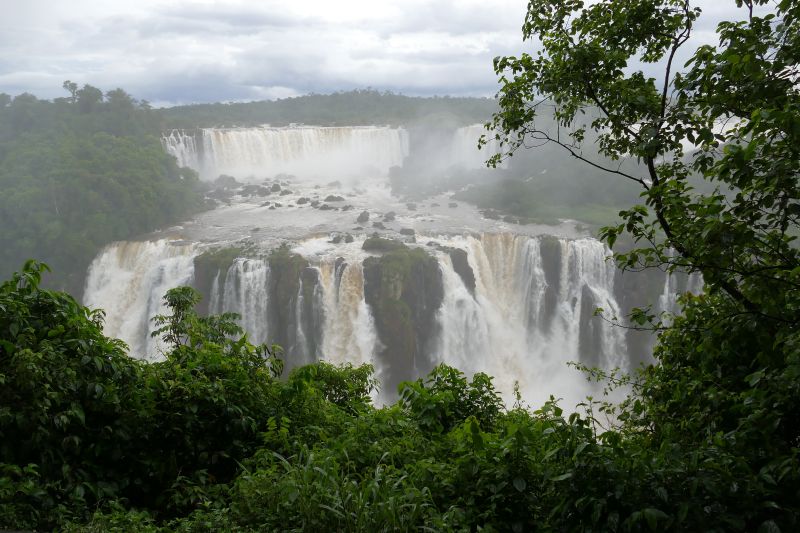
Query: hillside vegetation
(351,108)
(79,172)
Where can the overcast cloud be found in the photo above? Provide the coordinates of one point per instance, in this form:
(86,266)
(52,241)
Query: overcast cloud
(185,51)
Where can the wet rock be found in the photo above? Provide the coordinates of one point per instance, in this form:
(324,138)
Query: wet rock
(348,238)
(334,198)
(289,274)
(303,201)
(378,225)
(379,244)
(284,192)
(226,182)
(404,290)
(407,231)
(363,217)
(213,264)
(315,203)
(389,217)
(275,188)
(461,266)
(326,207)
(254,190)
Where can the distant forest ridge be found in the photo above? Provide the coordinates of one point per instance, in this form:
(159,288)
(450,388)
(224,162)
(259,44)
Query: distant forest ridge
(352,108)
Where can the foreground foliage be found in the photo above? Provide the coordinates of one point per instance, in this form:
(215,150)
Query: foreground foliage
(210,439)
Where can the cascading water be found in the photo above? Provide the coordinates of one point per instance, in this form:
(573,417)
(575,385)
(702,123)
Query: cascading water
(129,279)
(523,310)
(182,145)
(464,148)
(305,151)
(521,326)
(348,335)
(245,292)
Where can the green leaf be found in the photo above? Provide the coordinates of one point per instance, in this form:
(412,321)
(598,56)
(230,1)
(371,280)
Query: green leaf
(769,526)
(652,516)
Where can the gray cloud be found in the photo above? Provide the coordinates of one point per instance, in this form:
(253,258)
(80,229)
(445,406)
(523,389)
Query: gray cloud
(200,51)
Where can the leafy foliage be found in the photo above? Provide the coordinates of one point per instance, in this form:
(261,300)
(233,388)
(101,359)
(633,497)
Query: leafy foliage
(210,439)
(715,415)
(79,172)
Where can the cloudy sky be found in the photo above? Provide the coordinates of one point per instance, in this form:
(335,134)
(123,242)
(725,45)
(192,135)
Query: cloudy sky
(183,51)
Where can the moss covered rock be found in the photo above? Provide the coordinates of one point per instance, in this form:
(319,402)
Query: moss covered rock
(404,290)
(381,245)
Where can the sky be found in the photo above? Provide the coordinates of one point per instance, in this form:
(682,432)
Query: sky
(189,51)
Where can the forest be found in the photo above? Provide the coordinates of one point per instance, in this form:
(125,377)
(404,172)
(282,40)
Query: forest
(358,107)
(82,171)
(217,437)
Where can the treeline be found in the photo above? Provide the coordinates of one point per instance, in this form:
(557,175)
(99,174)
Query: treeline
(79,172)
(351,108)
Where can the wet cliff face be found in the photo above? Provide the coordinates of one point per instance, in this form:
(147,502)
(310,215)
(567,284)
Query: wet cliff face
(403,289)
(551,266)
(209,267)
(288,291)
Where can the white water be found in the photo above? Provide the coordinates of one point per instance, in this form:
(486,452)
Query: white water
(322,153)
(464,149)
(348,334)
(245,292)
(129,279)
(502,330)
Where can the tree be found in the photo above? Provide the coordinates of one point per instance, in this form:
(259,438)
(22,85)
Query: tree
(717,152)
(89,98)
(736,106)
(72,88)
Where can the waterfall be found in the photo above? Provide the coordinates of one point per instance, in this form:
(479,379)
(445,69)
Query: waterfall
(516,307)
(305,151)
(300,347)
(521,326)
(245,292)
(182,145)
(348,334)
(464,150)
(129,279)
(675,285)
